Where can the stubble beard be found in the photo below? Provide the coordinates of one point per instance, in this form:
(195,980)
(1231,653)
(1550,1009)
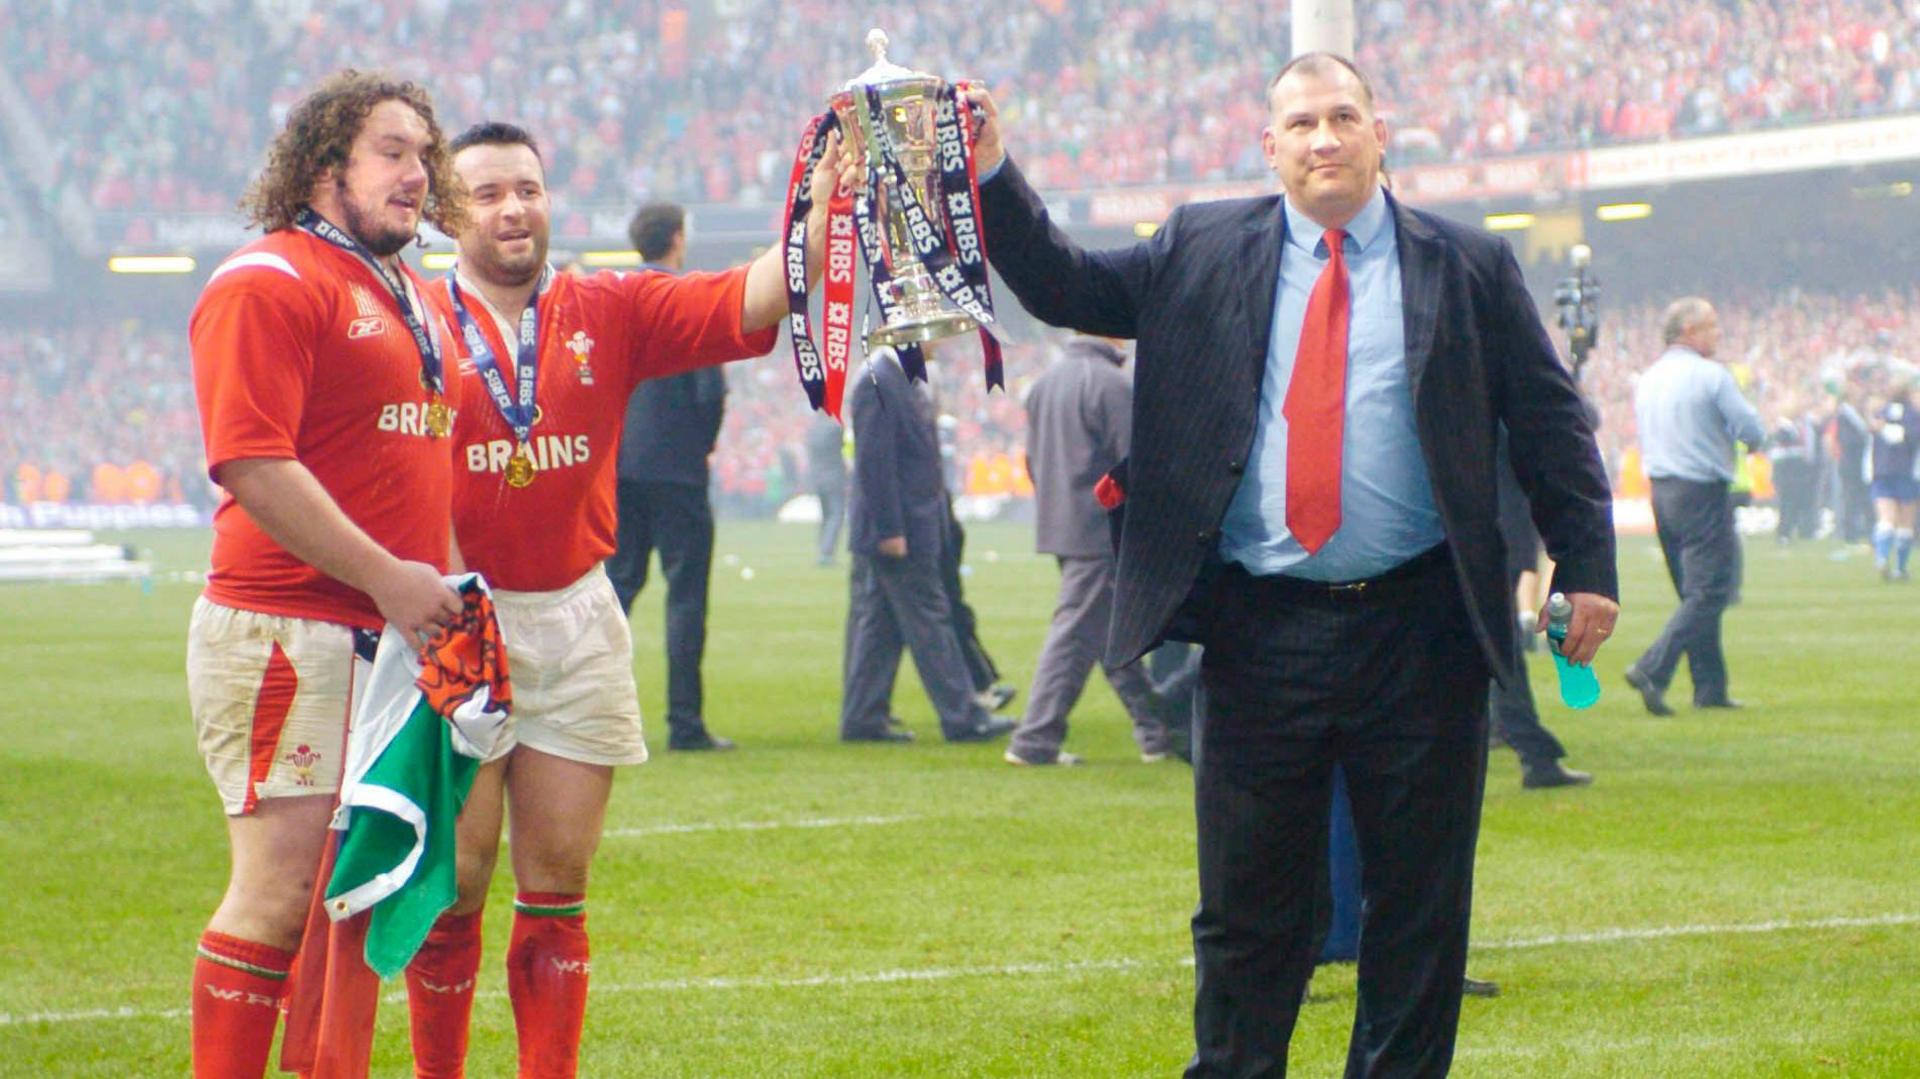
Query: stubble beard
(488,265)
(363,225)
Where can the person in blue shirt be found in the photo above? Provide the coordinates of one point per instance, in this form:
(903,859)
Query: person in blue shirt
(1311,497)
(1691,414)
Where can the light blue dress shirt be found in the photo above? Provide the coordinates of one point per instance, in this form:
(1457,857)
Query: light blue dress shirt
(1387,512)
(1690,410)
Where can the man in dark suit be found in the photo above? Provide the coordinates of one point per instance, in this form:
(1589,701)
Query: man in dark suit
(1515,718)
(1311,496)
(672,424)
(898,516)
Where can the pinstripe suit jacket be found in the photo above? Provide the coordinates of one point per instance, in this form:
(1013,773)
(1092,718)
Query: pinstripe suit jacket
(1198,297)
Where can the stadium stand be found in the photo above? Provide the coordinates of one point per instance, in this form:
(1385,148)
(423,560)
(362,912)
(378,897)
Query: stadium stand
(700,101)
(110,107)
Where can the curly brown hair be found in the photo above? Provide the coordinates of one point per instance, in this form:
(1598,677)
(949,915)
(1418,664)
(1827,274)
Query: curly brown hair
(319,136)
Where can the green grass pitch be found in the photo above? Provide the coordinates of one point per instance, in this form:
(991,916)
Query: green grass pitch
(1738,895)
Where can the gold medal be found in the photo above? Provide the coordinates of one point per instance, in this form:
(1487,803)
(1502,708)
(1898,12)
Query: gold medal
(439,419)
(520,470)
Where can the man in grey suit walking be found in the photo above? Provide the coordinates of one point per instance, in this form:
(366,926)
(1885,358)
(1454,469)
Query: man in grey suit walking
(1079,418)
(898,516)
(827,472)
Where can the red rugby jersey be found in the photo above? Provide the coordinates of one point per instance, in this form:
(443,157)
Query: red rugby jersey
(299,353)
(599,337)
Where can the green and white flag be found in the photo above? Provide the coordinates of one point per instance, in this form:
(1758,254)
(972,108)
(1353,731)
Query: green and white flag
(420,731)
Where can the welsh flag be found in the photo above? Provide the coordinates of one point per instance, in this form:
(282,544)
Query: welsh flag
(420,731)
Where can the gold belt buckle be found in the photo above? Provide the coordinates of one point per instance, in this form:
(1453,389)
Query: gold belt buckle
(1354,587)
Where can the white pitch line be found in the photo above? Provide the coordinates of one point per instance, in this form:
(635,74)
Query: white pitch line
(1006,970)
(1605,936)
(8,1019)
(754,826)
(882,977)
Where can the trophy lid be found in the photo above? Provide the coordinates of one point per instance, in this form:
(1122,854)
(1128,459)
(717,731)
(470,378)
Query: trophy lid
(883,69)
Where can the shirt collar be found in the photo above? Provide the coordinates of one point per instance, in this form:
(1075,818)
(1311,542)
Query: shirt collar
(1366,227)
(471,292)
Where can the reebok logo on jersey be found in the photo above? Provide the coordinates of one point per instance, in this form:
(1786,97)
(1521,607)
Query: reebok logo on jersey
(371,322)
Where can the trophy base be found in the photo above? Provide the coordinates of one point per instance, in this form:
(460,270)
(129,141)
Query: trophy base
(922,329)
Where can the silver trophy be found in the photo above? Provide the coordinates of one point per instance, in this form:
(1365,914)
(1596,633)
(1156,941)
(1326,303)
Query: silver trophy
(908,102)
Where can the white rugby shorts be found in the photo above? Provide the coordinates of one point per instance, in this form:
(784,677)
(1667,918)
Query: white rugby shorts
(570,658)
(270,697)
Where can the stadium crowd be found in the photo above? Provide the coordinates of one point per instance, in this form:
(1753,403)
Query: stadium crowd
(1791,351)
(165,107)
(105,413)
(100,413)
(109,407)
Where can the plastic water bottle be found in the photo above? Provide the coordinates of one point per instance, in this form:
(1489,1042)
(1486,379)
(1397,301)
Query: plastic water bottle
(1578,687)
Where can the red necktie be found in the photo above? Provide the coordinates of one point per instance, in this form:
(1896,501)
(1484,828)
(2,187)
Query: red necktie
(1316,405)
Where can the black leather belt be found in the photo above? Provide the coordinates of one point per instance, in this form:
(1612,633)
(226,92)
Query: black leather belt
(1412,574)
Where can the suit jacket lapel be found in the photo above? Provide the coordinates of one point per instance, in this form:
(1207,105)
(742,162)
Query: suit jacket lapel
(1420,276)
(1260,247)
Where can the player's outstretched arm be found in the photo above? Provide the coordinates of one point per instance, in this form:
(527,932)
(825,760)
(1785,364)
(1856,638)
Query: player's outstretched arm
(765,300)
(293,509)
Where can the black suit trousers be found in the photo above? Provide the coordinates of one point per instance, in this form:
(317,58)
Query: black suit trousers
(1515,717)
(677,520)
(1389,683)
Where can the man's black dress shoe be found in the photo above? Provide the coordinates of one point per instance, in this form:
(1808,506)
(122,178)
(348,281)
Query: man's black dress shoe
(705,740)
(1650,695)
(1541,775)
(886,734)
(1477,988)
(1724,702)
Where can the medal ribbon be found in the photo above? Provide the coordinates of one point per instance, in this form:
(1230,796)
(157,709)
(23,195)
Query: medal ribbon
(963,212)
(430,368)
(517,410)
(806,357)
(838,312)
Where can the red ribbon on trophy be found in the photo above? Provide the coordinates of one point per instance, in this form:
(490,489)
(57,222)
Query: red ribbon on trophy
(914,219)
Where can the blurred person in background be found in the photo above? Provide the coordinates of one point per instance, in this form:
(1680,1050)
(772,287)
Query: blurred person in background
(671,428)
(1852,439)
(898,535)
(1691,416)
(1893,463)
(827,473)
(1079,415)
(1794,452)
(1513,715)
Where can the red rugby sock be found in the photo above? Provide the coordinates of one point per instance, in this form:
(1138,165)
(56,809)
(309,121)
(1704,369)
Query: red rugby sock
(547,967)
(440,996)
(236,1004)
